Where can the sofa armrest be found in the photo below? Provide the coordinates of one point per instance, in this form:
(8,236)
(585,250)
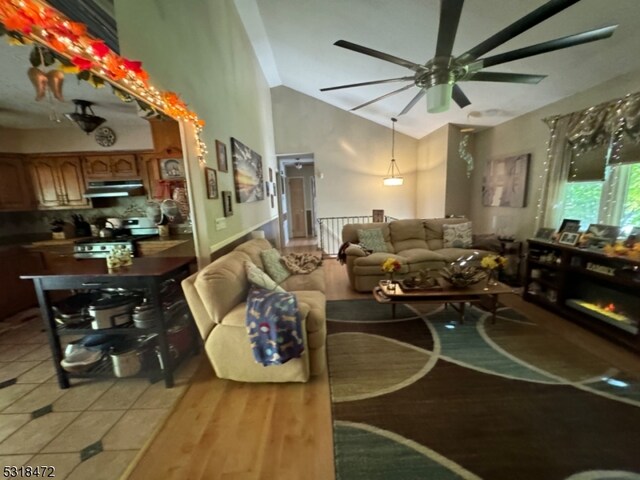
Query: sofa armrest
(356,251)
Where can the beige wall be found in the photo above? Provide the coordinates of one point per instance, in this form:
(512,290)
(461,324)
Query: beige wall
(201,50)
(352,153)
(432,174)
(528,134)
(72,139)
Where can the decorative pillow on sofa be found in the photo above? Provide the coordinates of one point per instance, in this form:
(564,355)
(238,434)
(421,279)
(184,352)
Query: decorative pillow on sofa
(259,278)
(457,235)
(372,239)
(273,265)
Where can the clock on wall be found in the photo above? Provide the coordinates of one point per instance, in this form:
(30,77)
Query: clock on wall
(105,137)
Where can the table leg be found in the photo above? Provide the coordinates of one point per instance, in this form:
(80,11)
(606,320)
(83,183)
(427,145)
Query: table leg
(163,344)
(462,313)
(393,310)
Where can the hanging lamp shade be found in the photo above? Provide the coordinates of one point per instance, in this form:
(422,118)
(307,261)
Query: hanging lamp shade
(87,122)
(393,178)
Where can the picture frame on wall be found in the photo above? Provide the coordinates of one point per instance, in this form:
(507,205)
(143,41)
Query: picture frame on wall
(504,183)
(247,172)
(569,238)
(221,155)
(171,168)
(212,182)
(227,203)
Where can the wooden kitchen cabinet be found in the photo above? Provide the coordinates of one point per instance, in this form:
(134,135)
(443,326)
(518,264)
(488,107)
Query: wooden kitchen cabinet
(150,166)
(15,191)
(102,167)
(58,183)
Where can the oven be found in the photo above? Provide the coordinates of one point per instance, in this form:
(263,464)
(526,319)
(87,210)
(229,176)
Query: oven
(101,247)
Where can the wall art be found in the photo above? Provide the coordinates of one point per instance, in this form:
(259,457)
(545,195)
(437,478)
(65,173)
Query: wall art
(247,173)
(505,182)
(221,155)
(171,168)
(212,182)
(227,203)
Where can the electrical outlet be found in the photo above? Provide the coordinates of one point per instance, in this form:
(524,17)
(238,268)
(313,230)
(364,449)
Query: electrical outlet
(221,223)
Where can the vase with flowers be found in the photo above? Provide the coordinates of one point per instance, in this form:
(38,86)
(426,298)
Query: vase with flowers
(493,264)
(391,266)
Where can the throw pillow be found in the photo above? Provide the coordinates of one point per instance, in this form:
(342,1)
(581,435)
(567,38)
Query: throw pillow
(457,235)
(372,239)
(259,278)
(273,265)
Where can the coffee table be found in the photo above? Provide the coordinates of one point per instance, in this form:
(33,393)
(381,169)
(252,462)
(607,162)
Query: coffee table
(485,296)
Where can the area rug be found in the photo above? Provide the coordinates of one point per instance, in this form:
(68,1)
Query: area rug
(425,396)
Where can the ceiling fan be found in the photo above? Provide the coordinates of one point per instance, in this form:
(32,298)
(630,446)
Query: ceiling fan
(439,77)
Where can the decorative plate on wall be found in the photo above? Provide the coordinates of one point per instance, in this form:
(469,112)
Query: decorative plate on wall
(105,137)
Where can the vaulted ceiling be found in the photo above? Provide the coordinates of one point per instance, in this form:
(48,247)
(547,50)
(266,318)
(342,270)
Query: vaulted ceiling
(294,43)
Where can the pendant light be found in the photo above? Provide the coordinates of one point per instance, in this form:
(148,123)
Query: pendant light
(393,178)
(87,122)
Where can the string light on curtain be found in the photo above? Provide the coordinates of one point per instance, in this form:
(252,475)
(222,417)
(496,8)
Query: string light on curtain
(552,123)
(463,150)
(393,178)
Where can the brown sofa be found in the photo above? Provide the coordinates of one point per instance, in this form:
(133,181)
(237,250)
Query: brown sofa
(217,298)
(416,243)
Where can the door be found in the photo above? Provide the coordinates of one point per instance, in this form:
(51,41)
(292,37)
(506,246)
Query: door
(72,182)
(45,183)
(297,211)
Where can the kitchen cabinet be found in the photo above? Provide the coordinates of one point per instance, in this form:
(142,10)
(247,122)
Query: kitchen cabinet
(145,274)
(100,167)
(150,172)
(15,191)
(58,182)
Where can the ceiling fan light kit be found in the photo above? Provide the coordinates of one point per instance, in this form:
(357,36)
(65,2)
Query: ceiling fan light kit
(439,77)
(393,178)
(87,122)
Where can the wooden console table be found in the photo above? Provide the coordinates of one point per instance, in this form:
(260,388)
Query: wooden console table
(146,273)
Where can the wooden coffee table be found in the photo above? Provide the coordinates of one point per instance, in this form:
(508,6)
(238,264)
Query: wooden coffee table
(486,297)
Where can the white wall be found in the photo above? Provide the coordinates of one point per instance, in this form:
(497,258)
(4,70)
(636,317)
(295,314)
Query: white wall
(72,139)
(529,134)
(432,174)
(352,153)
(201,51)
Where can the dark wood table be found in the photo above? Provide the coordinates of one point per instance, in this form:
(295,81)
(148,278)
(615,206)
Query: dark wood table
(487,296)
(146,273)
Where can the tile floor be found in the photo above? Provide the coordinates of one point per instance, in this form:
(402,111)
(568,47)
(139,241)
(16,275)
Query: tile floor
(93,430)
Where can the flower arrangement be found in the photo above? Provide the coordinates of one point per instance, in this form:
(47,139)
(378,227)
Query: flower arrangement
(493,262)
(621,250)
(391,265)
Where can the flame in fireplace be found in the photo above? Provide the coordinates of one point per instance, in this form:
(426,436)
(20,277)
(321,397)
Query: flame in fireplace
(609,308)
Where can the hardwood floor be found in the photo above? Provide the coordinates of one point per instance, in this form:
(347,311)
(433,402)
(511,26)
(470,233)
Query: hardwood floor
(228,430)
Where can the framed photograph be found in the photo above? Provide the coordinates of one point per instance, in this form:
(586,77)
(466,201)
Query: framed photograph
(266,188)
(378,216)
(270,174)
(569,238)
(604,232)
(227,205)
(171,169)
(247,173)
(212,182)
(569,225)
(545,234)
(504,183)
(221,155)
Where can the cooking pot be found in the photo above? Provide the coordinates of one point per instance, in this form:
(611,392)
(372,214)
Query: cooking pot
(126,363)
(116,223)
(112,311)
(143,316)
(106,232)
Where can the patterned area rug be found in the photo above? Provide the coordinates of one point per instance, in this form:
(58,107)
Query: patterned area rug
(424,396)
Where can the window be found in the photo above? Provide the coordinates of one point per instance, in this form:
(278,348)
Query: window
(614,201)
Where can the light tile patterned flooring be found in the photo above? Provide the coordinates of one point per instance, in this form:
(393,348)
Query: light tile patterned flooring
(93,429)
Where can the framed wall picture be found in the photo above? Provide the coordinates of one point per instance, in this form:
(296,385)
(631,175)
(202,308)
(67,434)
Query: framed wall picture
(247,173)
(266,188)
(569,225)
(227,205)
(221,155)
(378,216)
(504,183)
(545,234)
(212,182)
(605,232)
(569,238)
(270,174)
(171,168)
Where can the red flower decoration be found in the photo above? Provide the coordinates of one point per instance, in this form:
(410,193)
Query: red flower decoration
(19,22)
(132,65)
(82,63)
(100,50)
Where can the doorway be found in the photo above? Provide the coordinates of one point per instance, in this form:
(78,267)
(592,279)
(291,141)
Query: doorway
(298,203)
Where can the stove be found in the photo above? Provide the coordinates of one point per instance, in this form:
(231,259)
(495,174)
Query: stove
(101,247)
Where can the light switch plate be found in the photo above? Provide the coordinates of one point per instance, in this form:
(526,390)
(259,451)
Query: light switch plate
(221,223)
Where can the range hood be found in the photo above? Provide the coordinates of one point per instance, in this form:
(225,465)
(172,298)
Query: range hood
(114,188)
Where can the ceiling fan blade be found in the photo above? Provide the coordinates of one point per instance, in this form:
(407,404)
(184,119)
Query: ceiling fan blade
(413,101)
(382,56)
(459,97)
(530,20)
(505,77)
(550,46)
(375,82)
(382,97)
(450,11)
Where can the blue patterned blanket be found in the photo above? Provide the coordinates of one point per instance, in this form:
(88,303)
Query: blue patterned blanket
(274,326)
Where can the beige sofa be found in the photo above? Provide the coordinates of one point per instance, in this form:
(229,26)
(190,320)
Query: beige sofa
(416,243)
(217,298)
